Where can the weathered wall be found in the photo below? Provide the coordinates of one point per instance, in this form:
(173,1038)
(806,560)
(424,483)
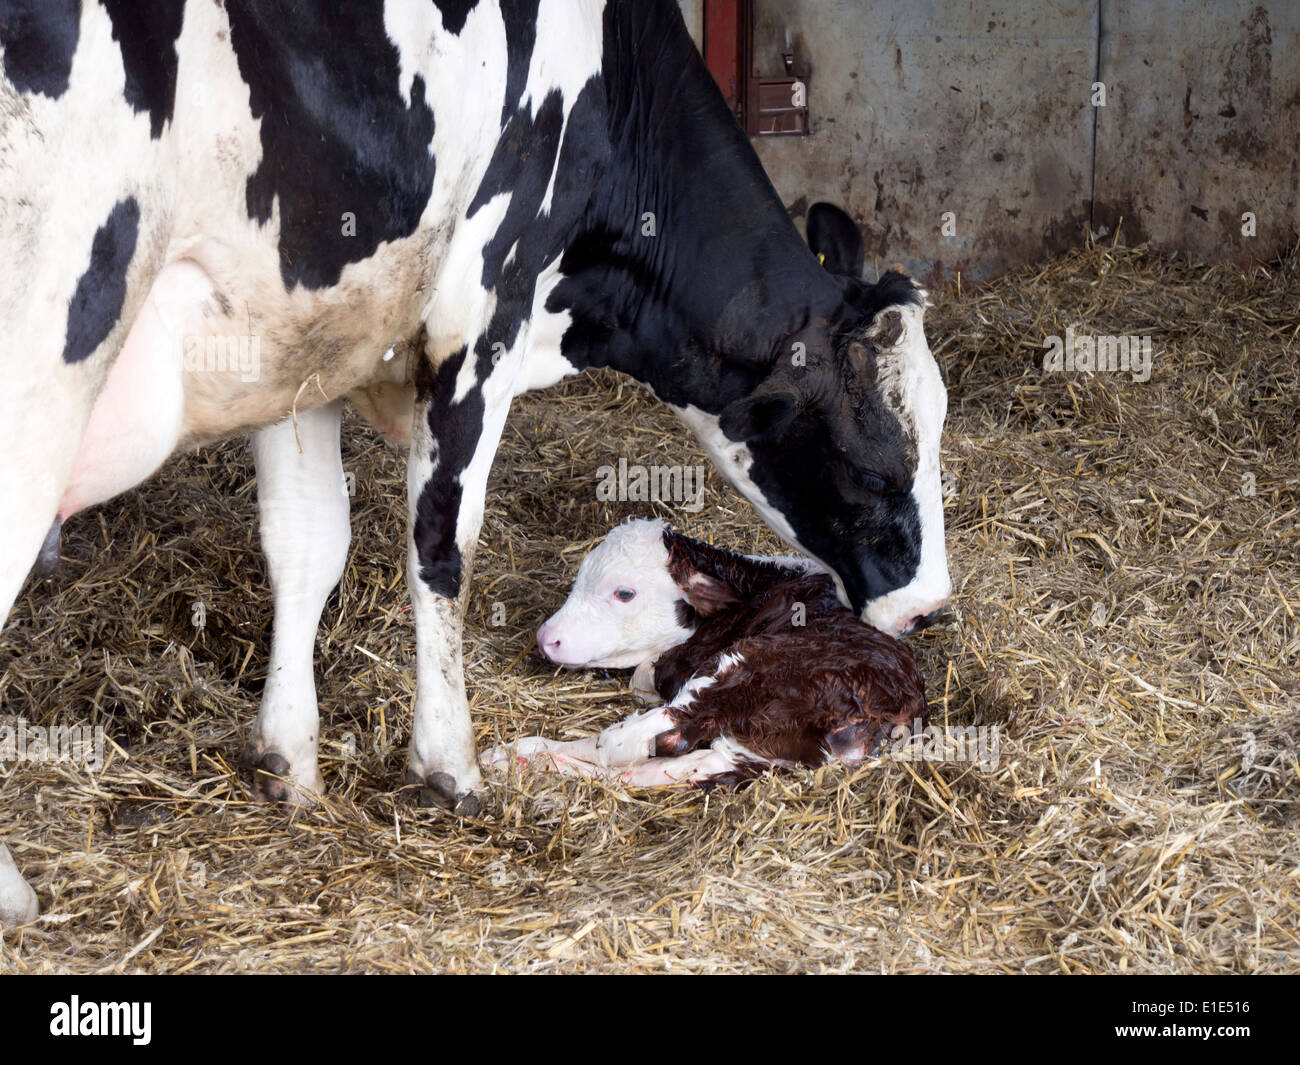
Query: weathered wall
(984,110)
(1202,124)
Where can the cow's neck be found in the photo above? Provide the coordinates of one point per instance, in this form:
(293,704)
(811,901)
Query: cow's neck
(687,272)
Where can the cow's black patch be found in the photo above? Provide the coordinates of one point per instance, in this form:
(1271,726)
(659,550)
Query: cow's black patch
(700,309)
(458,428)
(521,165)
(39,38)
(871,538)
(338,138)
(146,31)
(97,302)
(681,268)
(520,17)
(454,13)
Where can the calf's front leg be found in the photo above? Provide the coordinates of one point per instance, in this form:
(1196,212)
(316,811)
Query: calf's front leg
(624,743)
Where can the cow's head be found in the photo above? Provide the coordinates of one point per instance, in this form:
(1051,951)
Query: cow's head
(839,448)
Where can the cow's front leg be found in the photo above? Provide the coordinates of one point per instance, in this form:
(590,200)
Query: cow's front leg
(303,504)
(459,414)
(18,903)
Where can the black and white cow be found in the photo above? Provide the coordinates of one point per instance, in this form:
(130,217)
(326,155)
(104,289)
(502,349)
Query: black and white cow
(515,190)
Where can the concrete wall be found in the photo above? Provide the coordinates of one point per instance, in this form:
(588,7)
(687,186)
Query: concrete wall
(983,109)
(1203,125)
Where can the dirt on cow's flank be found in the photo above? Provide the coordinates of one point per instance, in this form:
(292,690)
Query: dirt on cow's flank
(1124,626)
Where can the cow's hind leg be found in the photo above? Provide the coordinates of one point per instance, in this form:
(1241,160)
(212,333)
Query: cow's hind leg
(43,412)
(303,505)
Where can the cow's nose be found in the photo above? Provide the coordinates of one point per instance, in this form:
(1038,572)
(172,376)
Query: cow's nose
(924,621)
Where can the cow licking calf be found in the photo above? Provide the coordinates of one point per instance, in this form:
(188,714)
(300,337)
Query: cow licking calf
(758,662)
(318,183)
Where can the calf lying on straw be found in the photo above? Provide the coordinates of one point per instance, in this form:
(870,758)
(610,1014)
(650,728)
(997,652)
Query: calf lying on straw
(756,659)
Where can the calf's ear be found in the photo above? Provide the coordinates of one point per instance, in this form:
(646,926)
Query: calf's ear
(835,239)
(707,594)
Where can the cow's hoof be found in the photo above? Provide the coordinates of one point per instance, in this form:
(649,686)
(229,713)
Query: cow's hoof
(270,778)
(23,909)
(439,789)
(18,904)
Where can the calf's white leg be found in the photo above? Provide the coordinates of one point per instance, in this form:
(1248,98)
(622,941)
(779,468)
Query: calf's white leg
(695,767)
(303,504)
(627,742)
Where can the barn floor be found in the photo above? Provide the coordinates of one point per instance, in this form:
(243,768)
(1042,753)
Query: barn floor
(1125,613)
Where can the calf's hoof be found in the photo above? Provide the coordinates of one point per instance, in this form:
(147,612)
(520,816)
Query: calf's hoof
(440,789)
(270,778)
(642,685)
(521,752)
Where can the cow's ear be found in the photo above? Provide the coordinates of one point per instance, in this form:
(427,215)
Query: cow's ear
(760,414)
(835,239)
(707,594)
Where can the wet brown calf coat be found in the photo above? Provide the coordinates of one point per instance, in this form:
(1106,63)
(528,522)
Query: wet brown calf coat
(829,689)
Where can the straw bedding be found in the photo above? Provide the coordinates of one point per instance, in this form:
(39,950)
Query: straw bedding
(1124,613)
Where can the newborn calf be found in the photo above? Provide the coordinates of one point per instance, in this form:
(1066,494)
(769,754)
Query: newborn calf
(757,660)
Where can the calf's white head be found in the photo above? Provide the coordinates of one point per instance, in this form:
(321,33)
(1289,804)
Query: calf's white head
(625,607)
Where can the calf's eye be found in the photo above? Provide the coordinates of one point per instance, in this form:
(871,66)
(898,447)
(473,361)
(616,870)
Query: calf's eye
(625,595)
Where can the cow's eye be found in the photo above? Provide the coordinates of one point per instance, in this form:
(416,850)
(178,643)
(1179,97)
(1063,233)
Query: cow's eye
(870,482)
(625,595)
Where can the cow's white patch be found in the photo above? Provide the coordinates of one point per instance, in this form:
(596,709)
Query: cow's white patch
(908,372)
(48,222)
(734,460)
(442,738)
(543,364)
